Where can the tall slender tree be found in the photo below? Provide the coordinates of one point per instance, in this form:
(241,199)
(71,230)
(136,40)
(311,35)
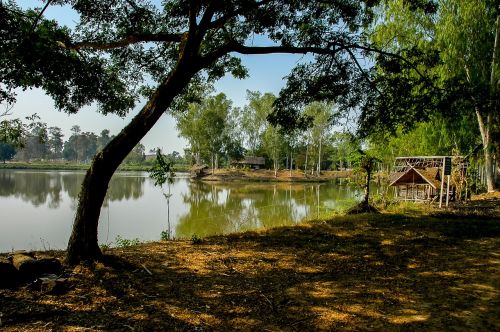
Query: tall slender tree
(254,118)
(321,115)
(55,142)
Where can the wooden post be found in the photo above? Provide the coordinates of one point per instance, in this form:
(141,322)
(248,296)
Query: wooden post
(442,186)
(447,190)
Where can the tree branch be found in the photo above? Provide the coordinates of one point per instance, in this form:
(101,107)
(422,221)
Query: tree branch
(39,16)
(253,50)
(207,16)
(129,40)
(193,13)
(333,49)
(363,73)
(218,23)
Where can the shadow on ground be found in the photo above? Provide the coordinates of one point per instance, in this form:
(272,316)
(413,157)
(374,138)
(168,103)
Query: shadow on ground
(368,272)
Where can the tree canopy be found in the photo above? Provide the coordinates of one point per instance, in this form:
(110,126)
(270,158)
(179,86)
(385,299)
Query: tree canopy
(456,44)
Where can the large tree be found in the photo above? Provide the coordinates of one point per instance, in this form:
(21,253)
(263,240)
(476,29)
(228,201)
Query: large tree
(206,126)
(7,152)
(321,120)
(119,45)
(254,118)
(55,142)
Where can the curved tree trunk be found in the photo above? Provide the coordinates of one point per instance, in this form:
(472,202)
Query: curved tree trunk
(83,243)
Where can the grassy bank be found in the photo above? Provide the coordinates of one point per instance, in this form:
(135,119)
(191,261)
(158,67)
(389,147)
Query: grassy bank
(264,175)
(410,268)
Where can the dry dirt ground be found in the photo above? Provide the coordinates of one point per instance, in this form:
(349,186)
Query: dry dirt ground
(387,272)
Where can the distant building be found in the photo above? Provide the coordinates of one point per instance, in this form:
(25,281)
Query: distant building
(250,162)
(150,156)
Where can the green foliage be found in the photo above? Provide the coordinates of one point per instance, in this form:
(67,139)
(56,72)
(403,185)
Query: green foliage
(103,139)
(81,146)
(321,117)
(7,151)
(274,144)
(254,118)
(136,156)
(165,236)
(449,76)
(434,138)
(211,128)
(55,142)
(195,239)
(122,243)
(31,56)
(161,172)
(345,147)
(11,132)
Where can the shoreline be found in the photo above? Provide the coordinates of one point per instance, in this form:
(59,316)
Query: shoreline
(220,175)
(264,175)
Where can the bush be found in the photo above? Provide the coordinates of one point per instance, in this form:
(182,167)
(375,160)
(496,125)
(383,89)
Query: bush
(121,242)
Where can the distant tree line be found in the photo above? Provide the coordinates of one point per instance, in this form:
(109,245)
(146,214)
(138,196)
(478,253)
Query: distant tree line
(42,143)
(218,133)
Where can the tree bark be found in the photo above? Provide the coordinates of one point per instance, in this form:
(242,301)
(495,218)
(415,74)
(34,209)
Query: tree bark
(484,129)
(212,162)
(83,242)
(319,158)
(367,186)
(305,164)
(487,127)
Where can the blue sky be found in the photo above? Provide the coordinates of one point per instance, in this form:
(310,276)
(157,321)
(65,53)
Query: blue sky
(266,73)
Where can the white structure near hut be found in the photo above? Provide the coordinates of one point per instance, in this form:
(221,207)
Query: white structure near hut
(423,178)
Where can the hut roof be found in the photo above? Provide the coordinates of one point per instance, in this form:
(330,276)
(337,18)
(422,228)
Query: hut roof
(197,168)
(413,175)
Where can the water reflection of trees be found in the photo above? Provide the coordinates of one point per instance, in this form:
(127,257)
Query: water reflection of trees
(39,188)
(223,208)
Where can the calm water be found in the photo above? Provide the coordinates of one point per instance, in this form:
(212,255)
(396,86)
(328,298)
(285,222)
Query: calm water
(37,208)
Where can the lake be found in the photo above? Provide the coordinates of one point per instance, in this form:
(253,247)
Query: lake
(37,207)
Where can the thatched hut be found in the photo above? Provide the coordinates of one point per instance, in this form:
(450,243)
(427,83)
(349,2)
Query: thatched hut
(416,184)
(423,178)
(199,171)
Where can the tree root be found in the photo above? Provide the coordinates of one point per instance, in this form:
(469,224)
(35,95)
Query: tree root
(362,208)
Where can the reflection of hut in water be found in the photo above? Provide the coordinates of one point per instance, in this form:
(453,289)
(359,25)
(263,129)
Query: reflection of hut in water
(421,178)
(199,171)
